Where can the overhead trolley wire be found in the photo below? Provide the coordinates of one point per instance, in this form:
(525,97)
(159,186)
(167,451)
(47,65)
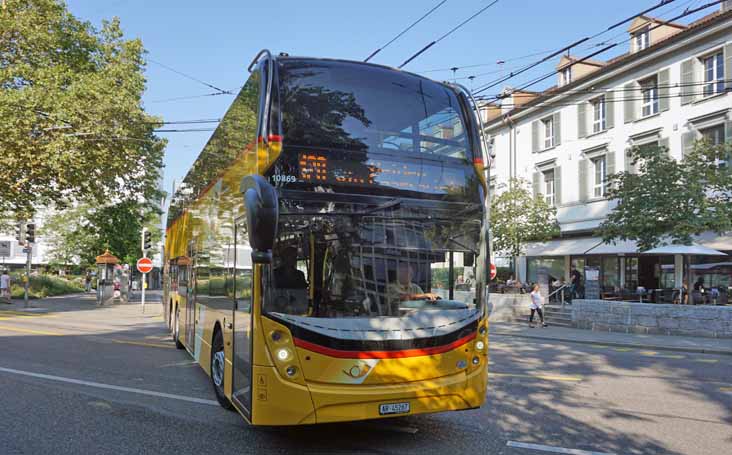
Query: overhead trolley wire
(405,30)
(684,14)
(453,30)
(567,48)
(188,76)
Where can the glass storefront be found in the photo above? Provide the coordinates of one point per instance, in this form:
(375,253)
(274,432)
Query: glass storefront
(554,267)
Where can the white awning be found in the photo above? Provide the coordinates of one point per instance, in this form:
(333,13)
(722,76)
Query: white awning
(562,247)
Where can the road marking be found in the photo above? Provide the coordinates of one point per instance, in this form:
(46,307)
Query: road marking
(543,448)
(706,360)
(546,377)
(725,389)
(34,332)
(100,385)
(622,349)
(140,343)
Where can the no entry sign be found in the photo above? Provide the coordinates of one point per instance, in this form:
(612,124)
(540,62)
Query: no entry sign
(144,265)
(493,271)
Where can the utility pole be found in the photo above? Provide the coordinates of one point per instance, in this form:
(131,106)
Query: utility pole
(146,244)
(30,238)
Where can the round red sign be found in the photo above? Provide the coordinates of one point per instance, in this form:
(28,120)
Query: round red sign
(144,265)
(493,271)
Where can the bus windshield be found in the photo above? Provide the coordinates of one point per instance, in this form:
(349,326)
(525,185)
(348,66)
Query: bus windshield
(349,262)
(349,106)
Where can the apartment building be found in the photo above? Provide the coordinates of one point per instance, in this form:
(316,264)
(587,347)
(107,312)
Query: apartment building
(672,87)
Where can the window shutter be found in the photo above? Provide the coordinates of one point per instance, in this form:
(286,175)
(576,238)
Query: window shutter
(687,81)
(687,143)
(535,136)
(537,185)
(557,128)
(629,167)
(582,120)
(728,65)
(663,145)
(609,110)
(557,186)
(629,94)
(610,163)
(584,190)
(663,90)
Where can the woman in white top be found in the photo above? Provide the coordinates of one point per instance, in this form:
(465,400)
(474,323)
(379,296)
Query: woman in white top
(537,302)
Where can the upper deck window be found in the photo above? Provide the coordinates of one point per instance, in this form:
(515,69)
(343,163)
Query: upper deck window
(348,106)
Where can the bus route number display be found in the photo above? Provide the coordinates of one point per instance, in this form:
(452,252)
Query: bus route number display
(317,168)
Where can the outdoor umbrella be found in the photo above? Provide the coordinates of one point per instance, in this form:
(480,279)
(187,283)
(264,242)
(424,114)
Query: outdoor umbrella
(685,250)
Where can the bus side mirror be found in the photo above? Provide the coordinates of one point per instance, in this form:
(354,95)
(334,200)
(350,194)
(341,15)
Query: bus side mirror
(260,201)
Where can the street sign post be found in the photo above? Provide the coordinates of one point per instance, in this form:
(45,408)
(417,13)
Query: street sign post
(144,266)
(5,248)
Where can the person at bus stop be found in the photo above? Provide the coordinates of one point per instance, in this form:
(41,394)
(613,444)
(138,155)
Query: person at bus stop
(287,276)
(87,281)
(5,285)
(575,280)
(537,302)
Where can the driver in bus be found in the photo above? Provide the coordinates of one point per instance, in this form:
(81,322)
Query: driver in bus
(287,276)
(403,289)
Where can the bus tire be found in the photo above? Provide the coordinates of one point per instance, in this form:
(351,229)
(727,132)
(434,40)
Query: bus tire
(176,329)
(217,369)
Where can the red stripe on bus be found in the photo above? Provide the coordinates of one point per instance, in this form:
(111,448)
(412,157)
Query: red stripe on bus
(341,354)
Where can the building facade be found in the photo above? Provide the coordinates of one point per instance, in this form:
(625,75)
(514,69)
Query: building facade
(672,87)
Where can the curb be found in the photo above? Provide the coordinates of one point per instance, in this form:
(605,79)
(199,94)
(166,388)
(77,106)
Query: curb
(620,345)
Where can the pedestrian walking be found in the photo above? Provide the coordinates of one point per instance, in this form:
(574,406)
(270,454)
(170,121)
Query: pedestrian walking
(537,303)
(5,286)
(87,281)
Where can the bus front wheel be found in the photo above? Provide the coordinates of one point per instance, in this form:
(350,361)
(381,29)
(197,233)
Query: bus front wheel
(176,329)
(217,369)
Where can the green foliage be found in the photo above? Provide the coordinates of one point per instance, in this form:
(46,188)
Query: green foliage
(82,233)
(45,286)
(669,200)
(73,126)
(517,218)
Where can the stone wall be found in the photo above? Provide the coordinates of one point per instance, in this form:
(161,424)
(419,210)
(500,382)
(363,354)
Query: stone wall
(508,307)
(646,318)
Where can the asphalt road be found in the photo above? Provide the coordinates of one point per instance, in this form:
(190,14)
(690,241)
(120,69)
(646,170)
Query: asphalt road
(81,379)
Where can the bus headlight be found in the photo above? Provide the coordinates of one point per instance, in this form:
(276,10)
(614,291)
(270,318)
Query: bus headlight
(476,360)
(276,335)
(291,371)
(479,345)
(283,354)
(482,330)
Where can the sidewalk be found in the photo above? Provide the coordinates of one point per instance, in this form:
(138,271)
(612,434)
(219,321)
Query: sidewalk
(650,342)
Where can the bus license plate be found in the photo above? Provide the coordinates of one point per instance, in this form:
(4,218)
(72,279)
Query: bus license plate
(393,408)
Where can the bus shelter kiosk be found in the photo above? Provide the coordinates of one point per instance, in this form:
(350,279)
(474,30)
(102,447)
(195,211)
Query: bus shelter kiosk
(105,277)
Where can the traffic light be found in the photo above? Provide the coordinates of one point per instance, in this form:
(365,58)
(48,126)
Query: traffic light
(146,240)
(30,232)
(20,233)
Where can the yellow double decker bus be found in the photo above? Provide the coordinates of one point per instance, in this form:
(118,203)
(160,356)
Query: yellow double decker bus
(326,254)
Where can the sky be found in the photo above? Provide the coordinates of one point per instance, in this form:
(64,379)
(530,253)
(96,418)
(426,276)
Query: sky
(215,41)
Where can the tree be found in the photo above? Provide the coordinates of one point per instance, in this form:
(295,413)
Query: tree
(517,218)
(73,125)
(670,200)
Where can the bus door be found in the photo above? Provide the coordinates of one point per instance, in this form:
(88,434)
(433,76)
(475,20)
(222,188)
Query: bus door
(242,358)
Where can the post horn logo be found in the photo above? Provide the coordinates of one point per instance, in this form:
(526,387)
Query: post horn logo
(357,371)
